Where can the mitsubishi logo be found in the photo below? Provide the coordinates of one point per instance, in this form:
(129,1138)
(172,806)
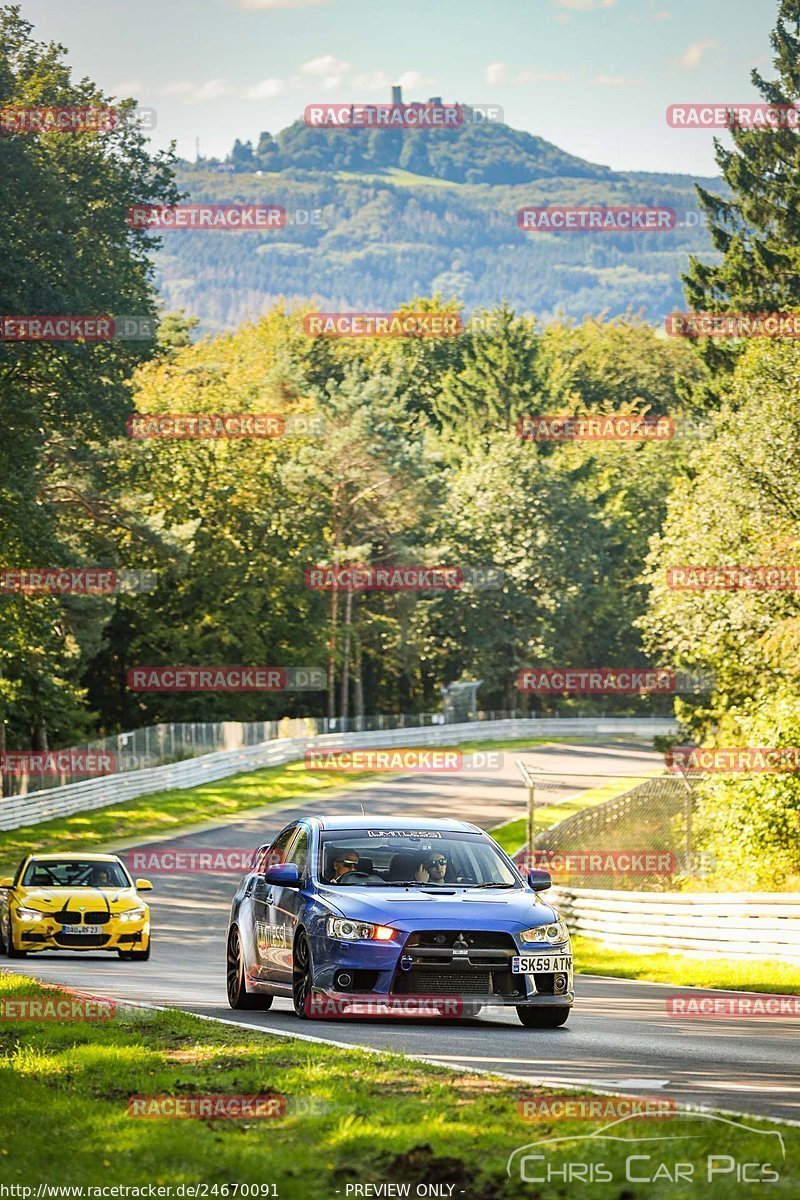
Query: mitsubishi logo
(460,947)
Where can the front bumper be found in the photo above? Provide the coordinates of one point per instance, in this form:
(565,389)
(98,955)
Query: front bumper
(49,934)
(479,976)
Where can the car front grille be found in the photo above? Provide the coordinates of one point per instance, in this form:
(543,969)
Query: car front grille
(450,961)
(69,916)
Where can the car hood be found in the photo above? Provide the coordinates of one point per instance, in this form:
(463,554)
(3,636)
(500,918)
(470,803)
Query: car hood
(462,907)
(73,899)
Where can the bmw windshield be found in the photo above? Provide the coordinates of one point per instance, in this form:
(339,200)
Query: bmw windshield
(386,857)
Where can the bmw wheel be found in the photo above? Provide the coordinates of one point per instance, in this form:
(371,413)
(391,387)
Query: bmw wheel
(238,995)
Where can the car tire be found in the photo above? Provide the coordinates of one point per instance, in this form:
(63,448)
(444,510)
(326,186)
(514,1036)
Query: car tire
(135,955)
(238,995)
(542,1018)
(8,944)
(302,976)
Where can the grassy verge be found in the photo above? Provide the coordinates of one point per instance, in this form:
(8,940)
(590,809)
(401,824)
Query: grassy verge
(170,812)
(513,834)
(351,1118)
(593,958)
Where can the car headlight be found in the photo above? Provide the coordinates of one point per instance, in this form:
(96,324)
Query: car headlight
(557,932)
(30,914)
(358,931)
(133,914)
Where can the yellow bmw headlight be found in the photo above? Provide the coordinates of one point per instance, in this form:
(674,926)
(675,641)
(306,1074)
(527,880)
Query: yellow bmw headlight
(30,914)
(133,914)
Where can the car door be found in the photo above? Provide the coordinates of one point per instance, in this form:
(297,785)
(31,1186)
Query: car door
(286,906)
(265,930)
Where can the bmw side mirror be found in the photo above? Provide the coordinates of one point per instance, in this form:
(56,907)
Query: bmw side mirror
(283,875)
(144,885)
(539,880)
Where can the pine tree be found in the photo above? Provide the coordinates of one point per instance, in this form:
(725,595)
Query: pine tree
(757,229)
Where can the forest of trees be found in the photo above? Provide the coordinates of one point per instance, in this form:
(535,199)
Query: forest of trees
(419,462)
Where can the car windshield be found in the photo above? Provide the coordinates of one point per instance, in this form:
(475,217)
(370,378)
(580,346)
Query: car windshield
(411,858)
(71,872)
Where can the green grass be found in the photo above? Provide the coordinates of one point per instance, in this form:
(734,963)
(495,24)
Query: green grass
(374,1118)
(512,835)
(171,812)
(593,958)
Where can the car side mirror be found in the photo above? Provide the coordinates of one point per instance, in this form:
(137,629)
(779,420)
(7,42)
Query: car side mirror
(284,875)
(539,880)
(7,881)
(144,885)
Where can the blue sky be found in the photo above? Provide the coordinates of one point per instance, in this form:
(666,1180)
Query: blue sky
(592,76)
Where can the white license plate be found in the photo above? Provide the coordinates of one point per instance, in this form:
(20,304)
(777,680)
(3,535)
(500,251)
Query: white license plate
(87,929)
(527,964)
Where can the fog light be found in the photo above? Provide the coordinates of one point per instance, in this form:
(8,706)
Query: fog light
(560,983)
(344,980)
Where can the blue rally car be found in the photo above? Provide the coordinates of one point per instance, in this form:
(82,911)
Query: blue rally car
(381,907)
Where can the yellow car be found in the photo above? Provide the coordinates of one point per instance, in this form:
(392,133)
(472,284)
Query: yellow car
(74,902)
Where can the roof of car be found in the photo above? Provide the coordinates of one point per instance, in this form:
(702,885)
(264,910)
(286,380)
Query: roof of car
(72,856)
(357,821)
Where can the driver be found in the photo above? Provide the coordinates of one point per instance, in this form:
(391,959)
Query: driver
(432,869)
(344,861)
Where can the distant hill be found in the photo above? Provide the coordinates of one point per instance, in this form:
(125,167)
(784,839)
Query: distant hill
(404,213)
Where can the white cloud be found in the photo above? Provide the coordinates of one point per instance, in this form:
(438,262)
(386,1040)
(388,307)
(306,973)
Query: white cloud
(584,5)
(372,81)
(265,90)
(413,79)
(614,81)
(197,93)
(543,77)
(260,4)
(693,54)
(328,70)
(496,72)
(126,87)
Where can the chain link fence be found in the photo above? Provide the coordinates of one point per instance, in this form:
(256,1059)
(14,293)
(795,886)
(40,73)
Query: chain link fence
(157,745)
(641,840)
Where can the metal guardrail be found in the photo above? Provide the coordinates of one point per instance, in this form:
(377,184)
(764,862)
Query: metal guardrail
(760,925)
(36,807)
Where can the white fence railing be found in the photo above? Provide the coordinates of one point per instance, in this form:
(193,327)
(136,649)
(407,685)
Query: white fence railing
(759,925)
(36,807)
